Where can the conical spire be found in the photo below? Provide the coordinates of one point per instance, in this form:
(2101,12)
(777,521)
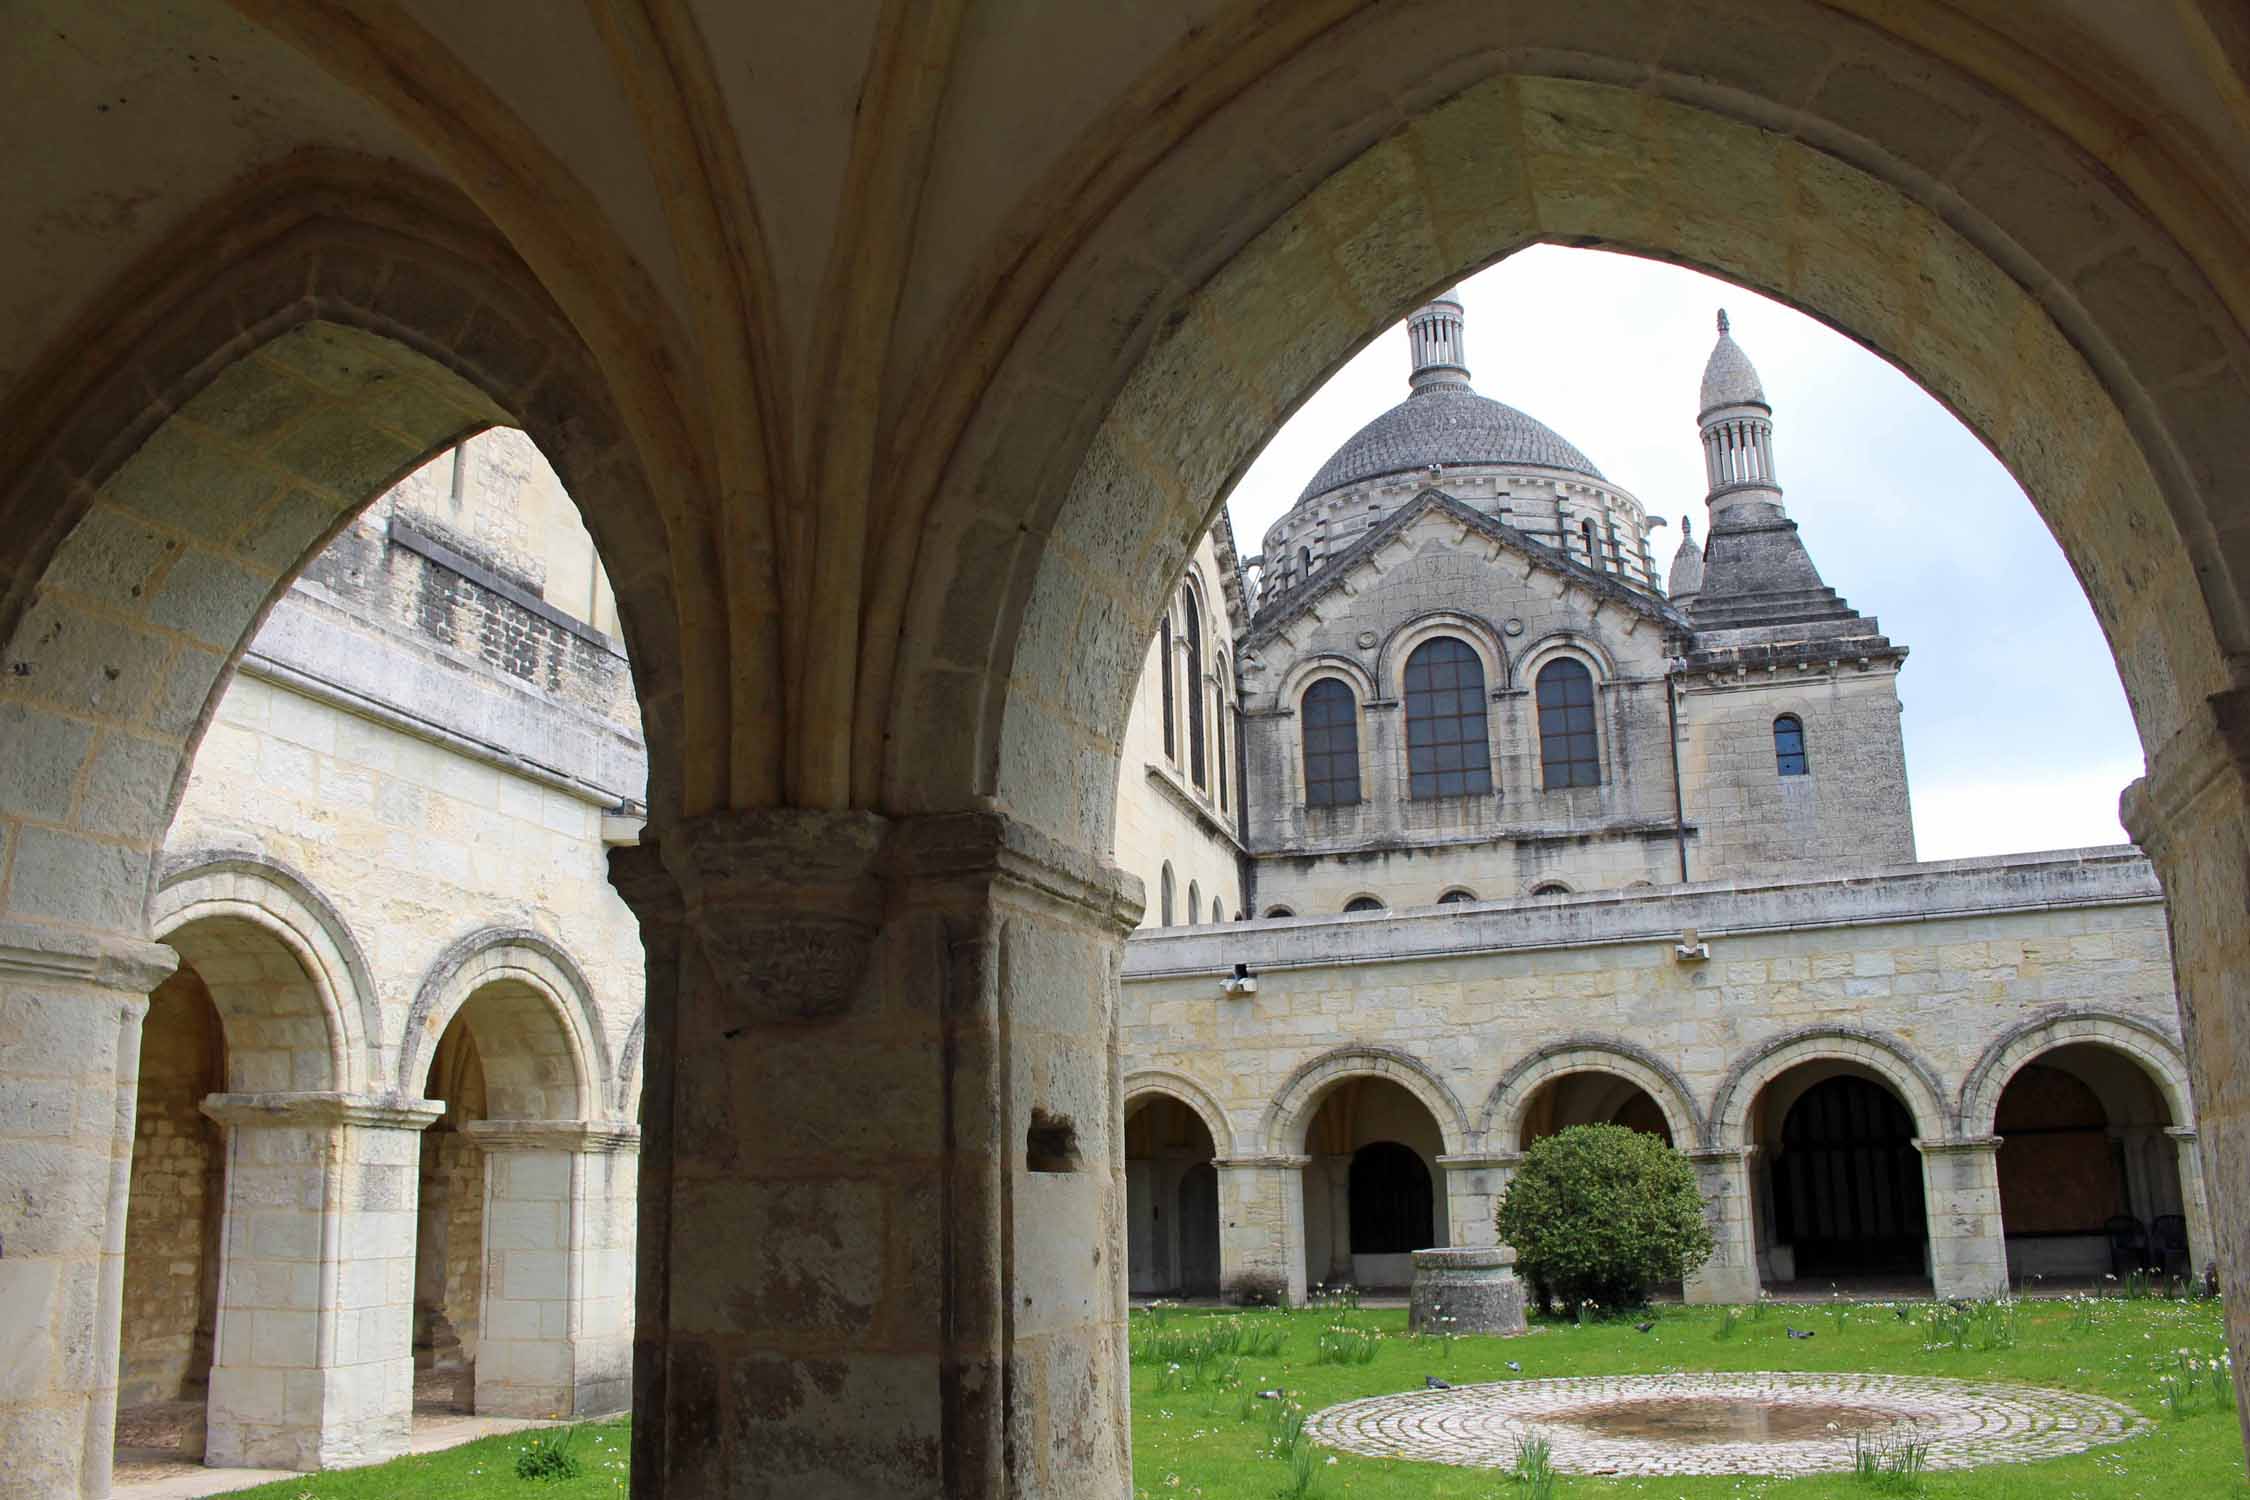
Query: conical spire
(1434,338)
(1686,579)
(1737,431)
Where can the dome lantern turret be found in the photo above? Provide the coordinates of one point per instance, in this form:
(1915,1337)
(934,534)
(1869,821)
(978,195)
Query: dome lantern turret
(1435,341)
(1737,428)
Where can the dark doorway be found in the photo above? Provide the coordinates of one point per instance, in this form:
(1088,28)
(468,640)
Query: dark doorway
(1199,1231)
(1847,1183)
(1392,1207)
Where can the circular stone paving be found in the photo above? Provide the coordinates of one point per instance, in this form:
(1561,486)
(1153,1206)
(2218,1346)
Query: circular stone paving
(1762,1423)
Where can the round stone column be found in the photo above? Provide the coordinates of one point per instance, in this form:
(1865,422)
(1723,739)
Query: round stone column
(1466,1289)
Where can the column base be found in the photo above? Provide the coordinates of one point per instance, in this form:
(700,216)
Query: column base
(1466,1289)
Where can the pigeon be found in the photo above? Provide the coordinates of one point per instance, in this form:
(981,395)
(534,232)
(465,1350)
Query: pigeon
(1799,1333)
(1515,1367)
(1901,1314)
(1435,1384)
(1642,1327)
(1269,1395)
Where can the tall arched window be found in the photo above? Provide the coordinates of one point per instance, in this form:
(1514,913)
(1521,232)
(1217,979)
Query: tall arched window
(1198,768)
(1304,563)
(1218,912)
(1219,730)
(1195,903)
(1447,754)
(1789,746)
(1331,745)
(1164,898)
(1164,661)
(1569,754)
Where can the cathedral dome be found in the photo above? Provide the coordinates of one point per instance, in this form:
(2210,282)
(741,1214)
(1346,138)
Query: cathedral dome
(1730,379)
(1449,425)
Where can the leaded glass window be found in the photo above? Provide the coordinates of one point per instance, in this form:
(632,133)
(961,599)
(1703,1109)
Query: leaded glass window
(1789,746)
(1569,752)
(1447,753)
(1331,744)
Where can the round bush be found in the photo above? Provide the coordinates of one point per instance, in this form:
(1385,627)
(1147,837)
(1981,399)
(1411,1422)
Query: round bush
(1601,1213)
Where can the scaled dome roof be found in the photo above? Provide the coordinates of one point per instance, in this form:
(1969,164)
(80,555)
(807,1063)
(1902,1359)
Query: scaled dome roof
(1730,379)
(1449,425)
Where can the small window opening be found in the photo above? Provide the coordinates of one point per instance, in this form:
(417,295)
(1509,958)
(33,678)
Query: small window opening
(1789,746)
(1051,1145)
(1456,896)
(1362,903)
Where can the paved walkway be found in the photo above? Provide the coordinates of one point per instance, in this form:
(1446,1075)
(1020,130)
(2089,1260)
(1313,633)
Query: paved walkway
(1590,1422)
(171,1479)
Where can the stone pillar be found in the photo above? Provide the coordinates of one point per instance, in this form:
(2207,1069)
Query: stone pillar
(2191,813)
(312,1365)
(1961,1200)
(70,1016)
(882,1201)
(555,1331)
(1474,1184)
(1731,1274)
(1262,1221)
(2194,1203)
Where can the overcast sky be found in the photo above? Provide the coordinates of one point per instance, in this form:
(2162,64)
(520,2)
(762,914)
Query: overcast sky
(2017,734)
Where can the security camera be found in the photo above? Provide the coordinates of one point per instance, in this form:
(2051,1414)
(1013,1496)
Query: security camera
(1240,982)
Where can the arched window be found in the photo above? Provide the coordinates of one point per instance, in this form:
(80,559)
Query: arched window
(1304,563)
(1164,659)
(1195,903)
(1593,551)
(1219,730)
(1164,899)
(1331,744)
(1362,903)
(1568,752)
(1218,912)
(1789,746)
(1447,754)
(1393,1203)
(1273,912)
(1456,896)
(1197,767)
(1550,888)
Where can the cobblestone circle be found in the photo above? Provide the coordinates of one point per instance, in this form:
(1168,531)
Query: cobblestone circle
(1966,1423)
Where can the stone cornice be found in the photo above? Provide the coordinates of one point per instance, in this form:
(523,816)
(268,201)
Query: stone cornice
(1478,1161)
(1173,791)
(587,1137)
(1277,1162)
(374,1111)
(30,951)
(1959,1145)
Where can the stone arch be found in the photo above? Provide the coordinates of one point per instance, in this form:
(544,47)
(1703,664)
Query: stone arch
(2044,346)
(1504,1106)
(214,882)
(1293,1104)
(523,962)
(268,895)
(247,395)
(1152,1082)
(1915,1081)
(2148,1045)
(1588,649)
(1475,630)
(1307,670)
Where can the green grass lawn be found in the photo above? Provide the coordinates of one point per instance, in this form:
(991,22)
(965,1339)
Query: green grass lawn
(1210,1438)
(473,1471)
(1207,1435)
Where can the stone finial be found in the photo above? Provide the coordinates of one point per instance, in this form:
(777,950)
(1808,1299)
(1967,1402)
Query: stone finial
(1722,320)
(1436,343)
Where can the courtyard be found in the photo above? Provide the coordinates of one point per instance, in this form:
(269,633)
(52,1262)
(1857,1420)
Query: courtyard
(2127,1382)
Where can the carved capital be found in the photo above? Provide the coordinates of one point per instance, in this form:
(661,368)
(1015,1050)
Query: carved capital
(2198,779)
(962,857)
(784,905)
(322,1110)
(131,965)
(648,889)
(588,1137)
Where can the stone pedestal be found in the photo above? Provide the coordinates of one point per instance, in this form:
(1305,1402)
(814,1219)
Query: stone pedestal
(71,1006)
(1731,1274)
(1466,1289)
(882,1191)
(1961,1199)
(1262,1224)
(312,1366)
